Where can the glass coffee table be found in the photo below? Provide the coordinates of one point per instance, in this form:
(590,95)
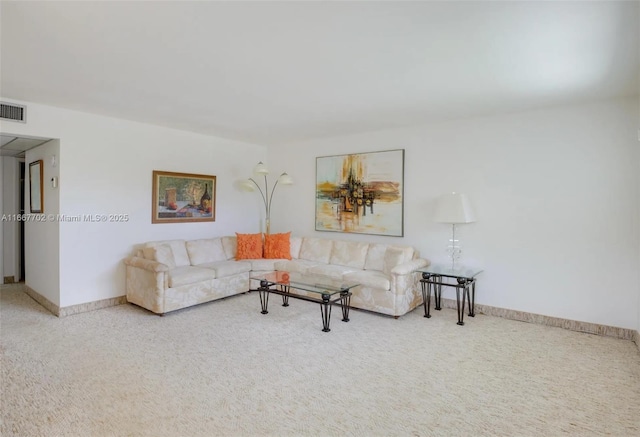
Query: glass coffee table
(433,278)
(313,288)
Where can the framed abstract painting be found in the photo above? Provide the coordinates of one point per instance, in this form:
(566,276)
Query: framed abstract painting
(361,193)
(183,197)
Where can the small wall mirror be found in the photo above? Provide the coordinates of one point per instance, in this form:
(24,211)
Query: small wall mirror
(35,184)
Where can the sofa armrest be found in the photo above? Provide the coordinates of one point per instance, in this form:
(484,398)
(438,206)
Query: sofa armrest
(146,264)
(146,283)
(409,266)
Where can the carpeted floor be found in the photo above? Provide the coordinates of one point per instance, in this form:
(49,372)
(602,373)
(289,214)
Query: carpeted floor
(224,369)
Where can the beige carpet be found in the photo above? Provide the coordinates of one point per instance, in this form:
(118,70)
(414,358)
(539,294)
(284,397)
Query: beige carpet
(223,369)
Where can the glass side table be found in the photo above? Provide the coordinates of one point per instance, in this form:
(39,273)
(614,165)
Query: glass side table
(433,278)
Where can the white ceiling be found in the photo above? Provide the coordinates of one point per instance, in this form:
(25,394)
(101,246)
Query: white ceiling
(273,72)
(11,145)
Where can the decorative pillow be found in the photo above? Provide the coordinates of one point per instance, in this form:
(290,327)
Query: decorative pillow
(277,246)
(161,253)
(249,246)
(393,256)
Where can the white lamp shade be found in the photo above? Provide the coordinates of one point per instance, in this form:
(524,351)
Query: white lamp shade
(261,169)
(247,185)
(454,208)
(285,179)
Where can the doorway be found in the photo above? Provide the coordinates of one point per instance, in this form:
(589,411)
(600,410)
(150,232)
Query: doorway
(13,150)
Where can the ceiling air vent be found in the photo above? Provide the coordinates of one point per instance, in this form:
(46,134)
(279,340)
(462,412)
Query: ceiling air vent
(13,112)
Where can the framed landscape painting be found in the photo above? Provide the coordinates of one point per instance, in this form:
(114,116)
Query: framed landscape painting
(183,197)
(361,193)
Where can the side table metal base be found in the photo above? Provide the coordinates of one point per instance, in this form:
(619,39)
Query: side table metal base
(464,286)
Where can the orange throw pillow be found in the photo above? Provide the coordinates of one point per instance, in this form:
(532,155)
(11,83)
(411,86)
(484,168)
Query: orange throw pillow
(249,246)
(277,246)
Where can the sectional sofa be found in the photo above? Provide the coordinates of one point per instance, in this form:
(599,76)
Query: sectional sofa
(164,276)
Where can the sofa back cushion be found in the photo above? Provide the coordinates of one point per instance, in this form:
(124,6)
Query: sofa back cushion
(375,257)
(393,256)
(377,253)
(161,253)
(296,243)
(349,253)
(205,251)
(179,249)
(316,249)
(230,245)
(409,253)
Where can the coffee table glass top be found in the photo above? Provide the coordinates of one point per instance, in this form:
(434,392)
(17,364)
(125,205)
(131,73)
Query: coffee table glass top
(307,282)
(451,272)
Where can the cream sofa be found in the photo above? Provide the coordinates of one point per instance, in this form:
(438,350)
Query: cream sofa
(164,276)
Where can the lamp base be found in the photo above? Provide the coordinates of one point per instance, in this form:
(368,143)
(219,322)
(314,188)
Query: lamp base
(454,249)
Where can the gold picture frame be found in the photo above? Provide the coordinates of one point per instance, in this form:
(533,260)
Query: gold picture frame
(36,197)
(183,197)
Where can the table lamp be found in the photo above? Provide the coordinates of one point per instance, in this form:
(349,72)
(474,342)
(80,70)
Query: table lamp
(454,208)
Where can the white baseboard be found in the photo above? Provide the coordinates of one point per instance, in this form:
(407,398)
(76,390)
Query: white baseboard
(46,303)
(73,309)
(572,325)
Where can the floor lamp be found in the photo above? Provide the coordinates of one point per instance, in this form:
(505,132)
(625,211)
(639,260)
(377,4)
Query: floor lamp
(250,185)
(454,208)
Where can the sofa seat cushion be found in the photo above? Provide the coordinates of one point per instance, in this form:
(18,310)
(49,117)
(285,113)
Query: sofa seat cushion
(369,278)
(262,264)
(294,265)
(189,275)
(227,268)
(330,270)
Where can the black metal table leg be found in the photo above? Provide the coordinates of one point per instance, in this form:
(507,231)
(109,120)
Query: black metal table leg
(437,289)
(285,297)
(325,309)
(472,299)
(463,284)
(345,303)
(426,294)
(462,287)
(263,291)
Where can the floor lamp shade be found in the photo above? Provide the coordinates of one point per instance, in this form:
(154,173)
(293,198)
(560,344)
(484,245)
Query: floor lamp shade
(454,208)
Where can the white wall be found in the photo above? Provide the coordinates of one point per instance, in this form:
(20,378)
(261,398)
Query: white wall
(555,193)
(42,238)
(106,166)
(638,221)
(1,225)
(11,207)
